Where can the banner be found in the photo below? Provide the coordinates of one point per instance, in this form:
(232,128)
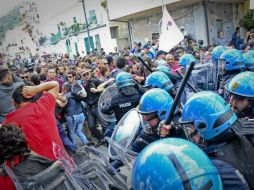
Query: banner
(170,34)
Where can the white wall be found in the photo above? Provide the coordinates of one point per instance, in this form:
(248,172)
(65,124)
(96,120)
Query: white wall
(66,14)
(121,8)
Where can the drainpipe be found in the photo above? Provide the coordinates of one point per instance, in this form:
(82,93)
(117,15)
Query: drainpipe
(87,27)
(205,4)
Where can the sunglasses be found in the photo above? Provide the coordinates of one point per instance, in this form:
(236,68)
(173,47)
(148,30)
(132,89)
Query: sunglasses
(24,77)
(86,74)
(70,76)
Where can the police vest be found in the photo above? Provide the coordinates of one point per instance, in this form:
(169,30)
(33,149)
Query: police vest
(121,104)
(239,153)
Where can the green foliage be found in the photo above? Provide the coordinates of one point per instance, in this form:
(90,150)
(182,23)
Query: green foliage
(248,20)
(9,21)
(104,4)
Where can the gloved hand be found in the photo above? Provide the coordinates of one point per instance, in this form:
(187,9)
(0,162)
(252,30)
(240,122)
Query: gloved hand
(164,129)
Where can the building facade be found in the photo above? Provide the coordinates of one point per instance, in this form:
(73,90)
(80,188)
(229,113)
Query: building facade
(202,19)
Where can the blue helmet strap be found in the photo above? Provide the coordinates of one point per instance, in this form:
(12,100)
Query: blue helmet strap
(184,177)
(207,186)
(180,170)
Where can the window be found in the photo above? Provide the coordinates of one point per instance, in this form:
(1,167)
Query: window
(114,31)
(219,26)
(93,18)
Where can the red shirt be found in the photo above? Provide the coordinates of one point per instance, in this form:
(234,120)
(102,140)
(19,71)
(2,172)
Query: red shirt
(38,123)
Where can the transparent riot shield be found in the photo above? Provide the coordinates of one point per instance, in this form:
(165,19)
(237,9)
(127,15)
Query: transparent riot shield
(91,169)
(52,177)
(94,168)
(204,76)
(123,136)
(105,97)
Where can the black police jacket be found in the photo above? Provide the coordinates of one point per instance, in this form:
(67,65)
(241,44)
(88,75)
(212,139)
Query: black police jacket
(236,150)
(125,100)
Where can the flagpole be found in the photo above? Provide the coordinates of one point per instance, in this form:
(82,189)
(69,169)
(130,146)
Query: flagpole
(159,25)
(162,5)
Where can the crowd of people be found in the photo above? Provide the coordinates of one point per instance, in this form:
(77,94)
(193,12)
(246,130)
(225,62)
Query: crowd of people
(46,103)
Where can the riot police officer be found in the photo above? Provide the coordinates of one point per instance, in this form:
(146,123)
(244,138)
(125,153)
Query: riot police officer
(154,106)
(229,149)
(159,79)
(248,59)
(231,63)
(241,91)
(174,163)
(216,53)
(128,96)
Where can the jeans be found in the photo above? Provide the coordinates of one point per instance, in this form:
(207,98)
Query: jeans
(109,131)
(66,141)
(75,125)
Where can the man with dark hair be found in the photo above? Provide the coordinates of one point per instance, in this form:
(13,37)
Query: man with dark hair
(12,142)
(21,164)
(35,79)
(74,111)
(37,118)
(51,76)
(234,36)
(8,83)
(120,64)
(61,72)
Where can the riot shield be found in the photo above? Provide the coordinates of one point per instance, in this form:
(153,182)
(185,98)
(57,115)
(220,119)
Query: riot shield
(123,136)
(95,170)
(90,169)
(204,76)
(105,97)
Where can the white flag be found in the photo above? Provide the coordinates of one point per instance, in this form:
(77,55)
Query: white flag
(170,34)
(251,4)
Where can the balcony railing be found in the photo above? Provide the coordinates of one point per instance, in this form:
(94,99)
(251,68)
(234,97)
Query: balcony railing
(73,30)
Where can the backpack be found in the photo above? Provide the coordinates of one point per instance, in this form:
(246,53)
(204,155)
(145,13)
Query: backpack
(78,91)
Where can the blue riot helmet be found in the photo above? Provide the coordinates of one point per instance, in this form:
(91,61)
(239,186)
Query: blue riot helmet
(242,84)
(248,59)
(159,80)
(163,69)
(186,59)
(174,163)
(156,101)
(230,60)
(209,113)
(124,79)
(216,53)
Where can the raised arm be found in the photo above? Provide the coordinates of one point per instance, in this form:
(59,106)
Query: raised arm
(51,87)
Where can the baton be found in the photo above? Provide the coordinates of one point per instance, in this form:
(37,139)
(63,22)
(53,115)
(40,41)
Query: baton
(146,66)
(179,93)
(188,83)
